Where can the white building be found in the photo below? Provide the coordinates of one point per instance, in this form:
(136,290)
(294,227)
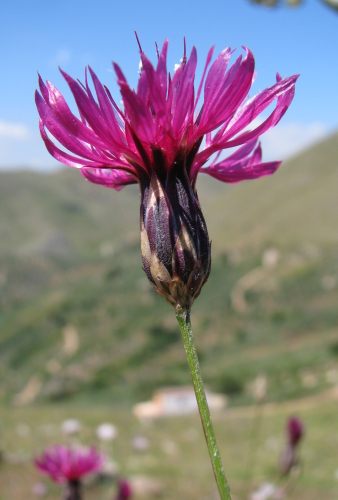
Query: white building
(173,401)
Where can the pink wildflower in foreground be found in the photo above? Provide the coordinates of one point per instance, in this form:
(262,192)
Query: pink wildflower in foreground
(156,141)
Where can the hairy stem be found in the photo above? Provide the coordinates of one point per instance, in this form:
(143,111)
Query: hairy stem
(183,318)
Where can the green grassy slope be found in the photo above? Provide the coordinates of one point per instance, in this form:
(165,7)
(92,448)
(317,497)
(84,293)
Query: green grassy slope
(297,205)
(62,214)
(69,257)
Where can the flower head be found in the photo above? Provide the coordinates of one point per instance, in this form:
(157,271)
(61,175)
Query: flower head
(106,432)
(64,464)
(161,140)
(295,430)
(71,426)
(124,490)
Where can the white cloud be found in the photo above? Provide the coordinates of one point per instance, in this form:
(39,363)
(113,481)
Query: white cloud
(21,147)
(286,140)
(62,57)
(13,130)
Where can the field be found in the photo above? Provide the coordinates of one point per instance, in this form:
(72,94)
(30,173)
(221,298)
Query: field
(177,455)
(83,335)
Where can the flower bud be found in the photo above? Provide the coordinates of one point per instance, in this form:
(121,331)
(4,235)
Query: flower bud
(175,244)
(295,430)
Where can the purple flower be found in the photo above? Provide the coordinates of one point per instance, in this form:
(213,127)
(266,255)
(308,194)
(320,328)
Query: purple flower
(161,139)
(295,431)
(64,464)
(124,491)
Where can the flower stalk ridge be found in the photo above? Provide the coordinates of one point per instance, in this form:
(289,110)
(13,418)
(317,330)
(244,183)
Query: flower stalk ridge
(68,466)
(161,139)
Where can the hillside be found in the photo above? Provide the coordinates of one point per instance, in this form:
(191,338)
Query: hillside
(297,204)
(79,320)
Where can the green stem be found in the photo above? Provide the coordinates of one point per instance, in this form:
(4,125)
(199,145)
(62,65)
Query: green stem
(183,318)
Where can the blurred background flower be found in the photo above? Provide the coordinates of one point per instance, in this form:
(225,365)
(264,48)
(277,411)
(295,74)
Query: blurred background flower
(289,457)
(68,466)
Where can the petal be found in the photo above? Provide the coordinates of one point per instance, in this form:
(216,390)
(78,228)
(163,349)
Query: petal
(240,166)
(57,129)
(183,93)
(108,177)
(143,87)
(119,74)
(161,69)
(107,110)
(209,57)
(61,110)
(89,108)
(283,90)
(230,92)
(139,115)
(215,76)
(157,93)
(74,161)
(43,89)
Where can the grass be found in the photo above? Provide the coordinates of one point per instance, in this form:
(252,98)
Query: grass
(69,257)
(128,336)
(182,466)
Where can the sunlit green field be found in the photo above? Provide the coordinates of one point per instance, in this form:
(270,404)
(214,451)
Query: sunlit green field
(177,455)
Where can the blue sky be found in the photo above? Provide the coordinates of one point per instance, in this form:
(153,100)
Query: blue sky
(39,36)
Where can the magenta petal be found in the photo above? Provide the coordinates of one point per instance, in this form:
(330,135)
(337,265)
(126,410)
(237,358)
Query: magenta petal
(88,108)
(57,129)
(161,69)
(157,94)
(143,87)
(227,96)
(216,75)
(157,128)
(107,110)
(184,94)
(62,112)
(139,115)
(43,89)
(67,464)
(119,74)
(283,90)
(209,57)
(108,177)
(58,154)
(241,166)
(238,155)
(76,162)
(241,173)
